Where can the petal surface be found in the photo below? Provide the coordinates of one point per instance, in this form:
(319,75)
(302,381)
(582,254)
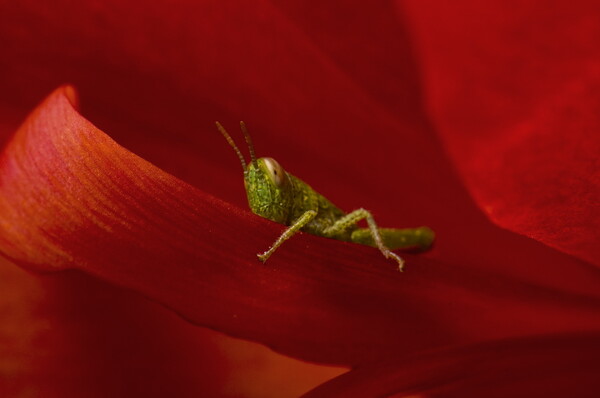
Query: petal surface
(334,93)
(547,366)
(73,198)
(71,335)
(156,78)
(514,91)
(67,334)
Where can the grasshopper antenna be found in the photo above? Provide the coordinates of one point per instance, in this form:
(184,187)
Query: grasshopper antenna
(230,141)
(249,142)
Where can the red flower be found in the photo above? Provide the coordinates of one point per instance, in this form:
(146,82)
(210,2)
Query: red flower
(361,102)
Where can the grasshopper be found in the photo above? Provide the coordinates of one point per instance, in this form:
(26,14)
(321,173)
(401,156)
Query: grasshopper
(279,196)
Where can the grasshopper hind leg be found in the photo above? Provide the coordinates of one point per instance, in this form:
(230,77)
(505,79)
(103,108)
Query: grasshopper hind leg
(419,239)
(349,220)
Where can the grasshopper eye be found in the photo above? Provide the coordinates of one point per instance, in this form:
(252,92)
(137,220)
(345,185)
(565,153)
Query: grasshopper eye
(275,171)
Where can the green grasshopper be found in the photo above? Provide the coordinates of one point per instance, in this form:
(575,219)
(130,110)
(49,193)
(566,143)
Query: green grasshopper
(279,196)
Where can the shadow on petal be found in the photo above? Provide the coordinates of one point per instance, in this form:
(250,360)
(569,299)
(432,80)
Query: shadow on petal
(545,366)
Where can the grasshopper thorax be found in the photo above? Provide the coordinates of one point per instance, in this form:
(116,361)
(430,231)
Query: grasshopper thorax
(268,189)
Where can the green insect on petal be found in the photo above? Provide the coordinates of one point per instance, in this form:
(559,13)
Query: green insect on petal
(279,196)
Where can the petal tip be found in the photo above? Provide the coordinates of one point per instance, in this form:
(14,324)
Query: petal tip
(70,92)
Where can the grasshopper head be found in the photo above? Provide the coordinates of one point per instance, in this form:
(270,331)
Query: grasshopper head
(268,189)
(268,186)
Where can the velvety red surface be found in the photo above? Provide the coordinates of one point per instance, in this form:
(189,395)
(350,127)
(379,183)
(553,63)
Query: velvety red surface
(515,93)
(544,366)
(360,101)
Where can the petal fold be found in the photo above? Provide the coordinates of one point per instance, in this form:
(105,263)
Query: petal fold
(544,366)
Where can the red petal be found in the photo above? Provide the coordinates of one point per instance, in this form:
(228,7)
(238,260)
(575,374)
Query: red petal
(70,335)
(72,197)
(548,366)
(259,67)
(515,93)
(368,145)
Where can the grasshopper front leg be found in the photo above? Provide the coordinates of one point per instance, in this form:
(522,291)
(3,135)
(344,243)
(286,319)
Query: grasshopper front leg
(304,219)
(351,219)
